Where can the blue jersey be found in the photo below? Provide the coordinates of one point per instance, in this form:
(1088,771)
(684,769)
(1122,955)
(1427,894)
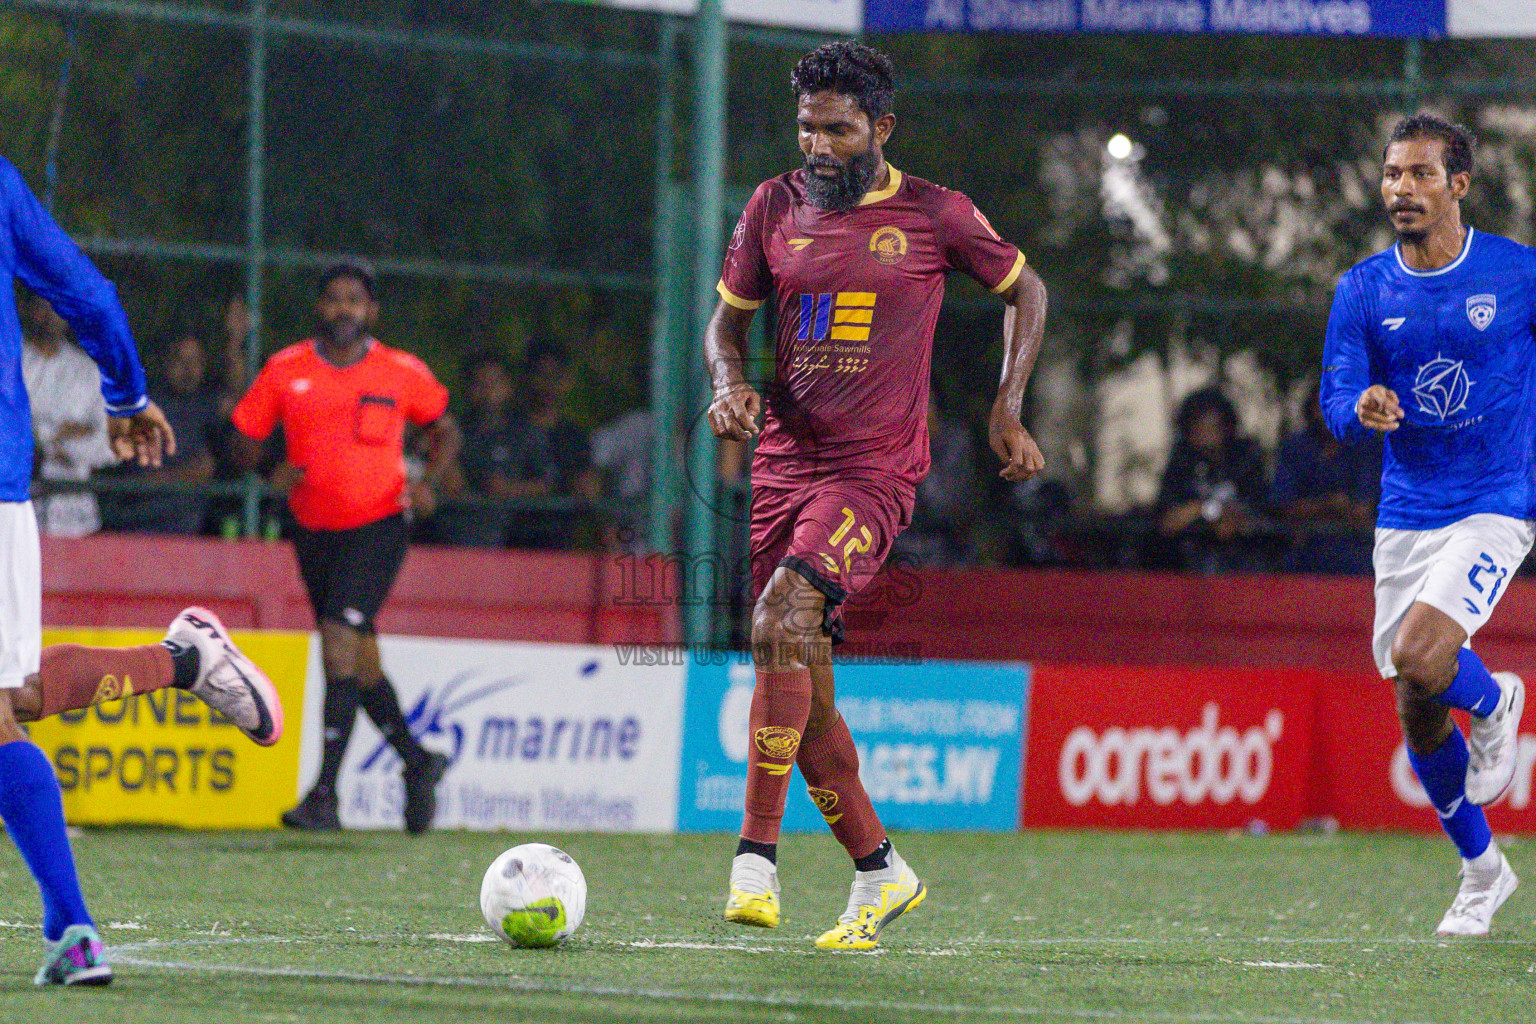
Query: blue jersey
(35,249)
(1456,345)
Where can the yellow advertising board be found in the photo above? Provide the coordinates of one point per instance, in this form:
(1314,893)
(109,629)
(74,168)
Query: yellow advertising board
(163,758)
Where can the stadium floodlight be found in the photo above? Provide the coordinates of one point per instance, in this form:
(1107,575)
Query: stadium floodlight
(1119,146)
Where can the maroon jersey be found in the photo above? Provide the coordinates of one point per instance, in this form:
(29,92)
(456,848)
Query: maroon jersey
(857,294)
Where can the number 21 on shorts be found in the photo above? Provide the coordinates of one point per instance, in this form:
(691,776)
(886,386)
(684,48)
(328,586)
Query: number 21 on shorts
(1486,578)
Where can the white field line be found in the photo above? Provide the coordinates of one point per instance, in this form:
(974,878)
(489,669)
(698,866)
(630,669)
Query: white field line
(729,998)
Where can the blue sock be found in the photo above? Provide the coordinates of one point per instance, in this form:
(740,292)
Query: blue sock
(1473,689)
(1444,775)
(33,809)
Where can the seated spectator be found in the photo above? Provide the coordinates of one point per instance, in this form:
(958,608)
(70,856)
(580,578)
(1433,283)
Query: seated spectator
(502,458)
(69,421)
(622,451)
(1326,492)
(1212,488)
(940,534)
(565,446)
(191,407)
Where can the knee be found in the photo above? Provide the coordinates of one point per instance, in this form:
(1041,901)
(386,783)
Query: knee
(1425,666)
(770,633)
(339,649)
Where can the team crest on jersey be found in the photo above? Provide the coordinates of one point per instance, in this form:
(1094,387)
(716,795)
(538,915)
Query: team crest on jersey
(1481,309)
(889,245)
(1441,387)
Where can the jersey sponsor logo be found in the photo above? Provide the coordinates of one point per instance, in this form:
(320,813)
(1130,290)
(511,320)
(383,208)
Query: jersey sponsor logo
(1481,309)
(854,312)
(889,245)
(1391,323)
(1442,387)
(798,244)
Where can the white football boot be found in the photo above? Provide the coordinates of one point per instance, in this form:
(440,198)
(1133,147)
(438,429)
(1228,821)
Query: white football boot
(1494,743)
(227,680)
(876,899)
(754,895)
(1482,893)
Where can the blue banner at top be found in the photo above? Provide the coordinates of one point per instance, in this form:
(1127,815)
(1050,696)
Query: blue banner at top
(1399,18)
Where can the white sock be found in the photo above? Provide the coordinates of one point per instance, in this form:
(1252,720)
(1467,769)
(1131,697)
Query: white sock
(1484,862)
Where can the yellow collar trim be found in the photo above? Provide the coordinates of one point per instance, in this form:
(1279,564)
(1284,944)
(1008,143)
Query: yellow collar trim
(885,193)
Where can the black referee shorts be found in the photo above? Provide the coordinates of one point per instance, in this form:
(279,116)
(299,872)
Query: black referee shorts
(348,573)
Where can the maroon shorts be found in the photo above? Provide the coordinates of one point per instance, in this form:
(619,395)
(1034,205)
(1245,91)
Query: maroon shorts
(835,531)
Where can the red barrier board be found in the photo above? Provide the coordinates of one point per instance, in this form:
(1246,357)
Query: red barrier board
(1361,772)
(1162,747)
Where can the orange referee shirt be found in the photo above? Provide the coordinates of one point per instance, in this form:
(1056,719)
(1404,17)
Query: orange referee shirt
(345,427)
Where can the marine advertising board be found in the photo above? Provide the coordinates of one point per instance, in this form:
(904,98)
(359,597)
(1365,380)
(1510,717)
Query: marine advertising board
(541,736)
(939,744)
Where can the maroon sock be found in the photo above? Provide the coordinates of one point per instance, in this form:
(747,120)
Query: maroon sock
(781,703)
(72,677)
(830,764)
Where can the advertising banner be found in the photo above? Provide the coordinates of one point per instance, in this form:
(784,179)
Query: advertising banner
(162,758)
(542,736)
(1363,775)
(824,15)
(939,744)
(1159,747)
(1402,18)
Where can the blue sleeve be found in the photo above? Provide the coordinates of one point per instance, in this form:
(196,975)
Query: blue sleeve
(1346,363)
(55,268)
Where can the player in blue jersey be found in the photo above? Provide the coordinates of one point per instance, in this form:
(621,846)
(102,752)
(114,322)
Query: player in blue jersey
(1431,344)
(196,654)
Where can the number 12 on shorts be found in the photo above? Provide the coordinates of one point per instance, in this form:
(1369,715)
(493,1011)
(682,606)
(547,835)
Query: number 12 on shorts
(855,544)
(1495,576)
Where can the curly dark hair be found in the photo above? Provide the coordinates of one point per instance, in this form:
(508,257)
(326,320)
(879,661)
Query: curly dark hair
(850,68)
(1207,399)
(1458,140)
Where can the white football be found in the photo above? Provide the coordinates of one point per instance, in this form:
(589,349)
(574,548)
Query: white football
(533,895)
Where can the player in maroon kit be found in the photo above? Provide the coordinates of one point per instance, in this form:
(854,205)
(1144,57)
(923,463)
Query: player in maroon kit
(853,254)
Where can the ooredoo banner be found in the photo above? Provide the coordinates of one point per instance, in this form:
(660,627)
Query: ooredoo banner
(542,736)
(164,758)
(939,744)
(1157,747)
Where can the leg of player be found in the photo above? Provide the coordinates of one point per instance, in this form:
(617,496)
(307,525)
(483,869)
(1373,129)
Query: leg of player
(196,655)
(340,646)
(884,886)
(33,810)
(785,622)
(423,769)
(1434,674)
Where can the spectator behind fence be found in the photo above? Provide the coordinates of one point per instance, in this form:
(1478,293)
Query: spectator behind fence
(502,459)
(1212,488)
(622,451)
(69,422)
(940,534)
(566,448)
(191,407)
(1326,493)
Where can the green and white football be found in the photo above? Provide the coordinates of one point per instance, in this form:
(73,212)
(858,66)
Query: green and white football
(533,895)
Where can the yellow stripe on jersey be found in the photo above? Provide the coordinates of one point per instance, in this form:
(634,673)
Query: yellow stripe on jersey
(855,298)
(736,300)
(854,316)
(850,334)
(1013,275)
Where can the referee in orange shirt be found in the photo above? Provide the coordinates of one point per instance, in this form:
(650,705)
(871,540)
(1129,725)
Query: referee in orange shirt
(343,400)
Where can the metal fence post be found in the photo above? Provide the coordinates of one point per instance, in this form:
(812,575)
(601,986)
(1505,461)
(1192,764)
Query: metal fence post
(665,412)
(255,222)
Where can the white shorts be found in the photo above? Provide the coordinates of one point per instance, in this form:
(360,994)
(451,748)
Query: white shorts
(1462,570)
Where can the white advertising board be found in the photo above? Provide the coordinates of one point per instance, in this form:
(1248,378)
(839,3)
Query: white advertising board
(820,15)
(542,736)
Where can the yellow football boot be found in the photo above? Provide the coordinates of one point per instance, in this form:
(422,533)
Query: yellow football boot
(754,897)
(876,899)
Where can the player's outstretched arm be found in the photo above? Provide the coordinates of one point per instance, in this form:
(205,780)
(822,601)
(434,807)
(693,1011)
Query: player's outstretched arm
(736,405)
(1023,333)
(145,437)
(1378,409)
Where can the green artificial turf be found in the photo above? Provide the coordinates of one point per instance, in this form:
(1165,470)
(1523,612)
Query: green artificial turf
(223,927)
